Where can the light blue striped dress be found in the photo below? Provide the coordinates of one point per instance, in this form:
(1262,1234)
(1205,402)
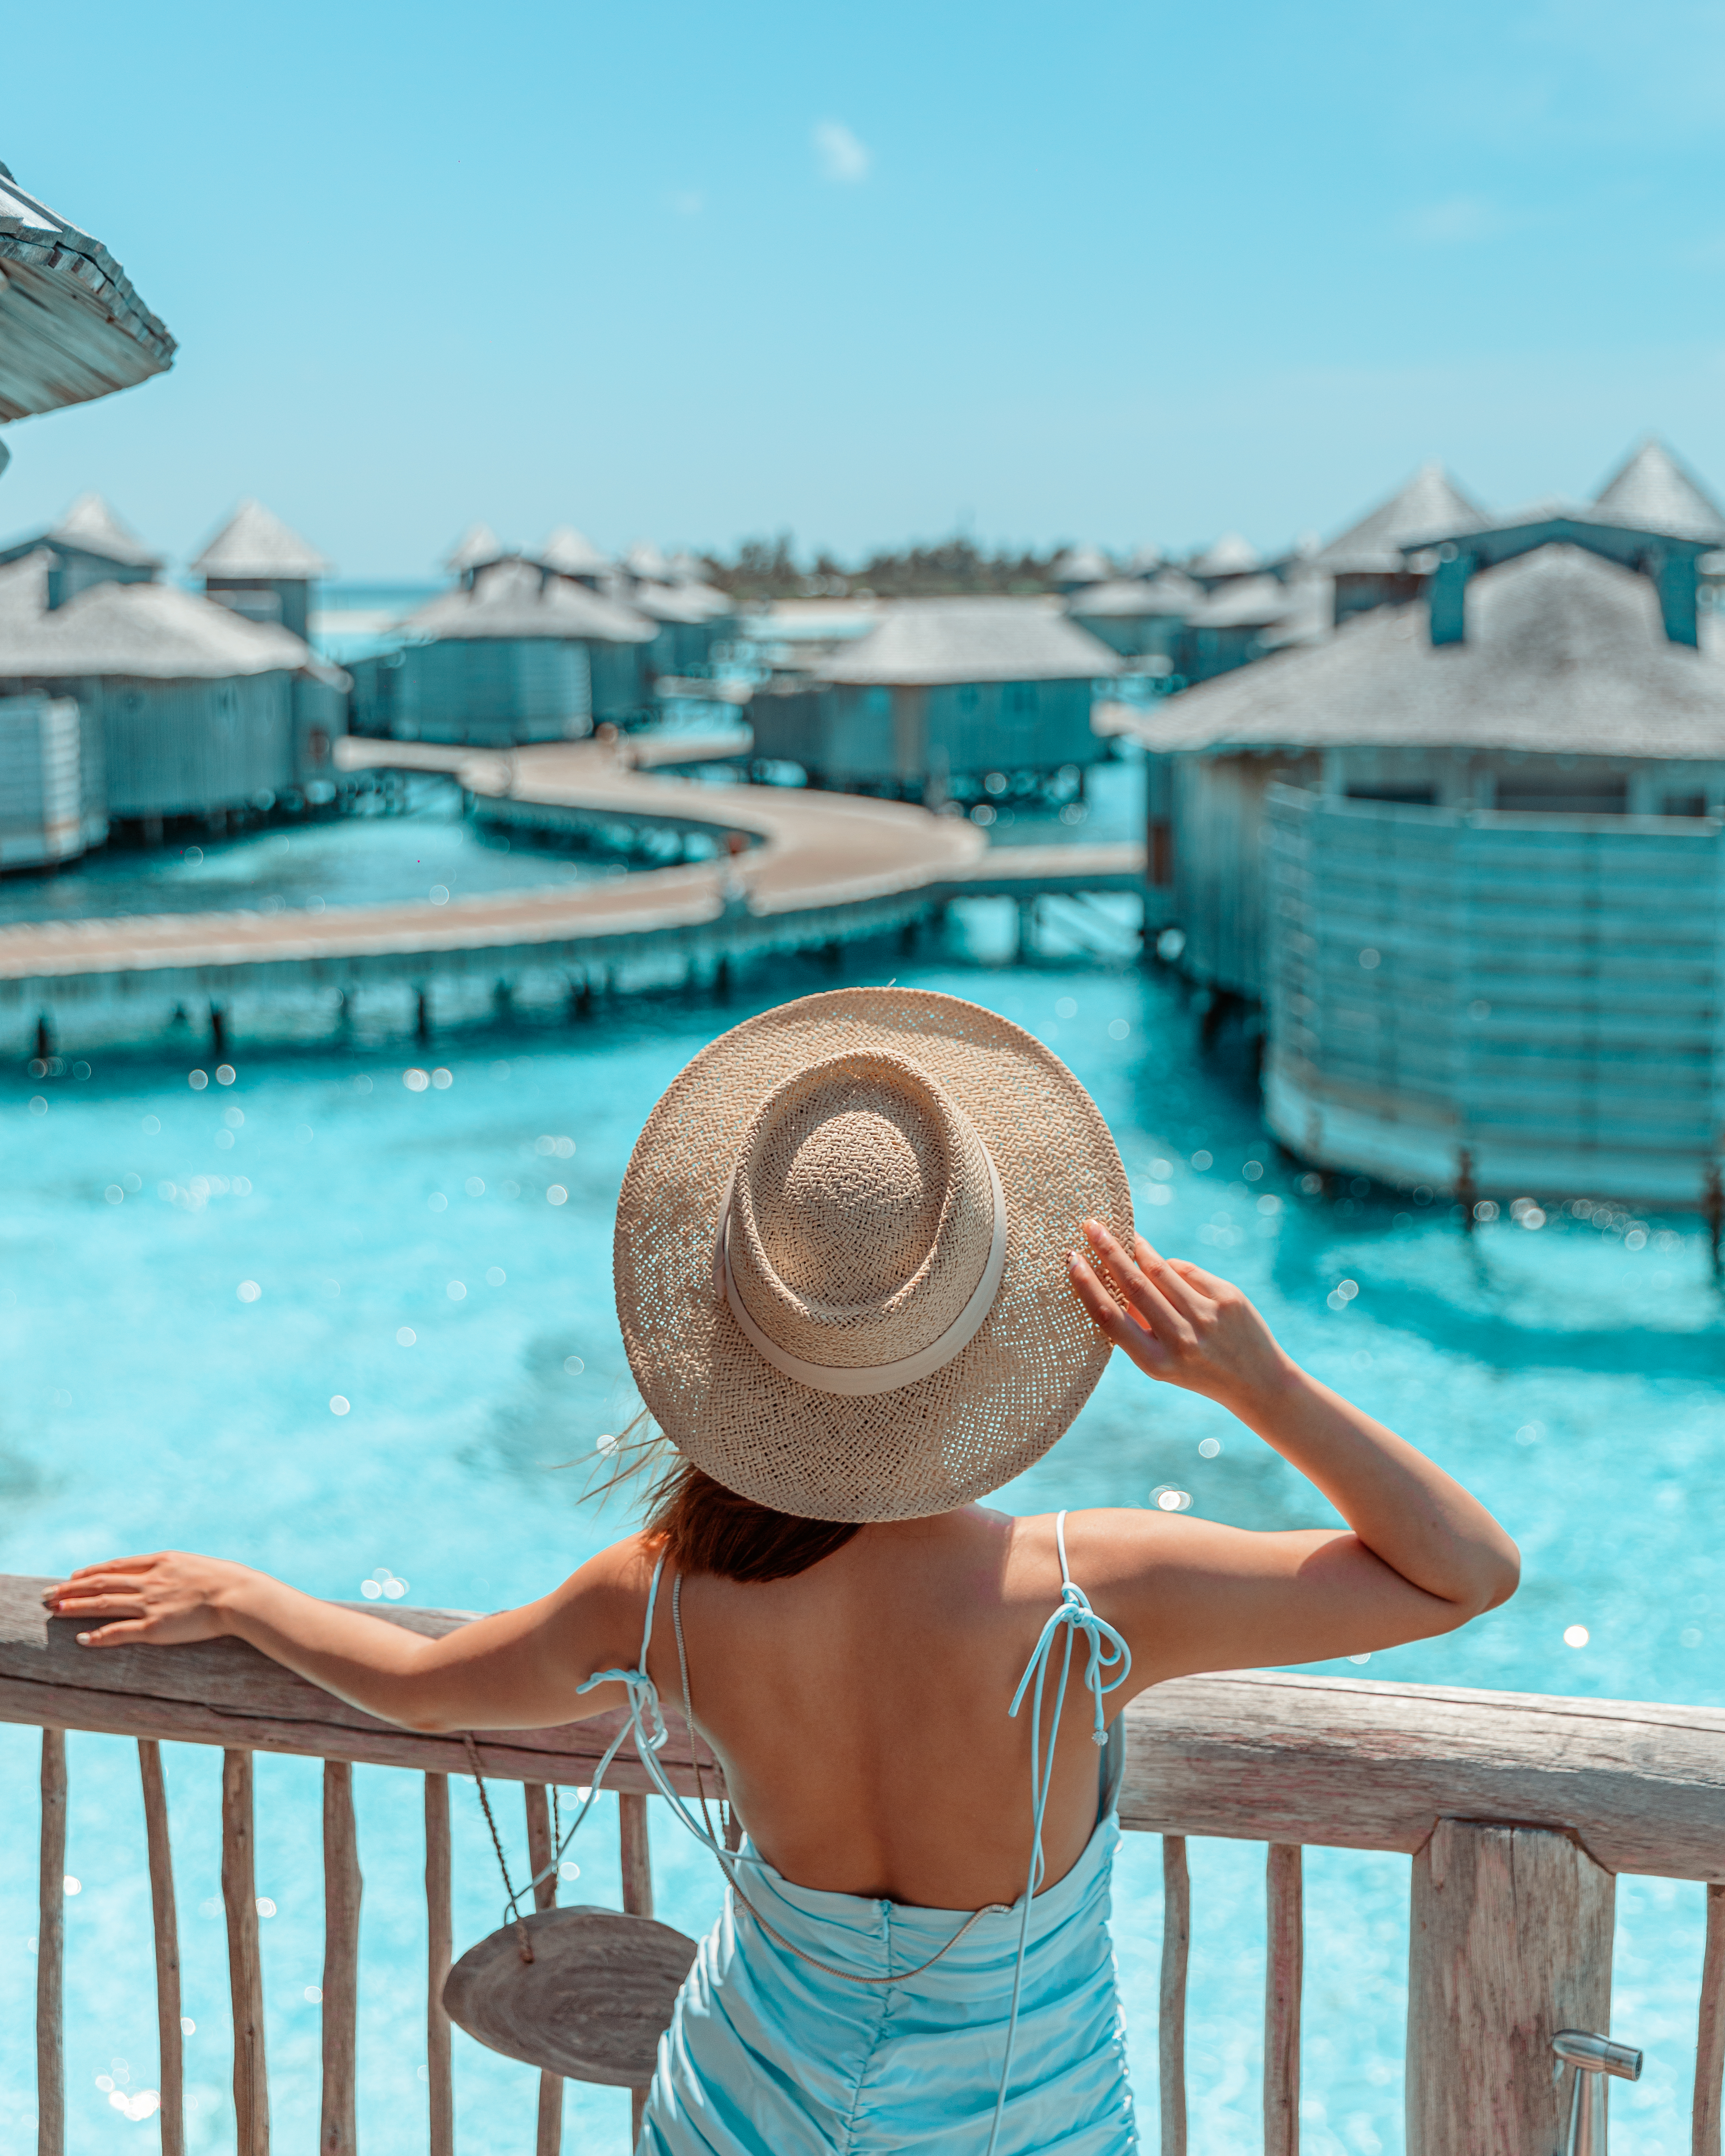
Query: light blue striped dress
(776,2048)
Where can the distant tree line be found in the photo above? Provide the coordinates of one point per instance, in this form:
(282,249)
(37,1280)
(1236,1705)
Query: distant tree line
(768,569)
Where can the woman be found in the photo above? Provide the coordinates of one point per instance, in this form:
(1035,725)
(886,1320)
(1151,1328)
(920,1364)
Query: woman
(872,1251)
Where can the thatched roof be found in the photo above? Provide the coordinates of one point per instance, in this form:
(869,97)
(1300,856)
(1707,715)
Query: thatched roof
(1652,492)
(1082,565)
(71,326)
(1244,602)
(571,553)
(1565,652)
(255,543)
(926,642)
(478,546)
(1231,555)
(511,601)
(138,631)
(90,527)
(1169,596)
(1430,503)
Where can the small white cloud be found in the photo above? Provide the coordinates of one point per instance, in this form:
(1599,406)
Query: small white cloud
(686,201)
(1462,222)
(842,158)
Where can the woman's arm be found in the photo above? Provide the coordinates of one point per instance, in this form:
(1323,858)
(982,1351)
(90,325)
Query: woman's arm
(1421,1555)
(518,1670)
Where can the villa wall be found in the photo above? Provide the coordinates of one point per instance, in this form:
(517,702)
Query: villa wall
(1544,991)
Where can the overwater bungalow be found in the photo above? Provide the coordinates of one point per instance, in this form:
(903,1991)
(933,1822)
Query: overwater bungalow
(940,693)
(262,569)
(1079,566)
(1467,855)
(187,709)
(1233,624)
(505,657)
(1224,561)
(1140,616)
(567,553)
(88,545)
(44,816)
(1369,561)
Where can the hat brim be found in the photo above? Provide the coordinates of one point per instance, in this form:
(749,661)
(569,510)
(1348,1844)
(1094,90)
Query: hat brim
(949,1438)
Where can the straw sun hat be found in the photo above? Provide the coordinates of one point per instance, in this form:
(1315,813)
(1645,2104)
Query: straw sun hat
(841,1255)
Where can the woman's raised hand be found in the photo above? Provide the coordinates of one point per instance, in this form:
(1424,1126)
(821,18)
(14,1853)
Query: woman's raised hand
(164,1600)
(1181,1325)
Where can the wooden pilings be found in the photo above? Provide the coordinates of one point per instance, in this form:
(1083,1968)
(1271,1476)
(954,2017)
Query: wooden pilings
(1171,2016)
(166,1923)
(438,1953)
(342,1887)
(245,1969)
(541,1849)
(1284,1974)
(51,1952)
(1509,1941)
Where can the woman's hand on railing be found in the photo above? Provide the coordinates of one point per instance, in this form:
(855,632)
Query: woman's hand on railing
(166,1600)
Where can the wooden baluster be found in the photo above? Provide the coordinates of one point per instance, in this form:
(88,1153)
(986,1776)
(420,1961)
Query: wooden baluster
(50,1952)
(544,1895)
(1171,2018)
(437,1948)
(1509,1941)
(168,2037)
(637,1863)
(342,1887)
(1284,1967)
(637,1857)
(1710,2037)
(245,1969)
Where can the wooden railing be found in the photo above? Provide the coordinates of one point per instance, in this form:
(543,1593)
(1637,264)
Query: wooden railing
(1517,1809)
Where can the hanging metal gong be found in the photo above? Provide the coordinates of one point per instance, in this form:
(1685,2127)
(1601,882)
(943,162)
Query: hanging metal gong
(592,2004)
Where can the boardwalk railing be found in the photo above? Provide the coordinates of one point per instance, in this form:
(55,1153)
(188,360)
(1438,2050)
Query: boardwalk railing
(1518,1811)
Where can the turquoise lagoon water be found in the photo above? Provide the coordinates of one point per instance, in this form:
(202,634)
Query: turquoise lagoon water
(1568,1373)
(430,851)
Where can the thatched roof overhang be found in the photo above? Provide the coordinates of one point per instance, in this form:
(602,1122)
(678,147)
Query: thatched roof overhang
(511,601)
(1566,654)
(136,632)
(72,327)
(929,643)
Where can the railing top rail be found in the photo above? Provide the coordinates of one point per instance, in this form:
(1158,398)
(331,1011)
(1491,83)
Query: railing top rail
(1254,1755)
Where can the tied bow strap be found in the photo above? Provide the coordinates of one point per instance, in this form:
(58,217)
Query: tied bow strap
(644,1717)
(1105,1651)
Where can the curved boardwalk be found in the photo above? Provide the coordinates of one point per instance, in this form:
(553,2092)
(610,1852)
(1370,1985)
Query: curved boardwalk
(817,868)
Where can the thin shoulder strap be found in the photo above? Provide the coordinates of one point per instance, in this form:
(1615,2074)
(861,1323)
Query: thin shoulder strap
(1066,1579)
(652,1598)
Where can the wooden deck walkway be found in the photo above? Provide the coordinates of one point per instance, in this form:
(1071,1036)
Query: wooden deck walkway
(818,869)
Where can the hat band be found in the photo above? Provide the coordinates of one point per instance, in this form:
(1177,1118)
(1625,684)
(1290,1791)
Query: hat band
(879,1376)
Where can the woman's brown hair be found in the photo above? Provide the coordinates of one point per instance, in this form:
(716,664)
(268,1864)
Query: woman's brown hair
(708,1528)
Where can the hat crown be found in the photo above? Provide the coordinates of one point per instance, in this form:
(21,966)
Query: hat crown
(857,1202)
(862,1212)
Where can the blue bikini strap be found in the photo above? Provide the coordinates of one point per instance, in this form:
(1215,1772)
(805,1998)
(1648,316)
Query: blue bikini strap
(1107,1650)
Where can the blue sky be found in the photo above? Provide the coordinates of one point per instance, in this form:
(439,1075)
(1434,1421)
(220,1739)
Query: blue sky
(1122,272)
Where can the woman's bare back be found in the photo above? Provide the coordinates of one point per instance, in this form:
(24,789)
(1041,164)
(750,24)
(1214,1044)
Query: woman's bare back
(860,1710)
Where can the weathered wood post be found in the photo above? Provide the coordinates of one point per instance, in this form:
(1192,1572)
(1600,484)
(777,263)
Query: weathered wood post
(342,1887)
(540,1850)
(1509,1941)
(50,1951)
(245,1970)
(636,1858)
